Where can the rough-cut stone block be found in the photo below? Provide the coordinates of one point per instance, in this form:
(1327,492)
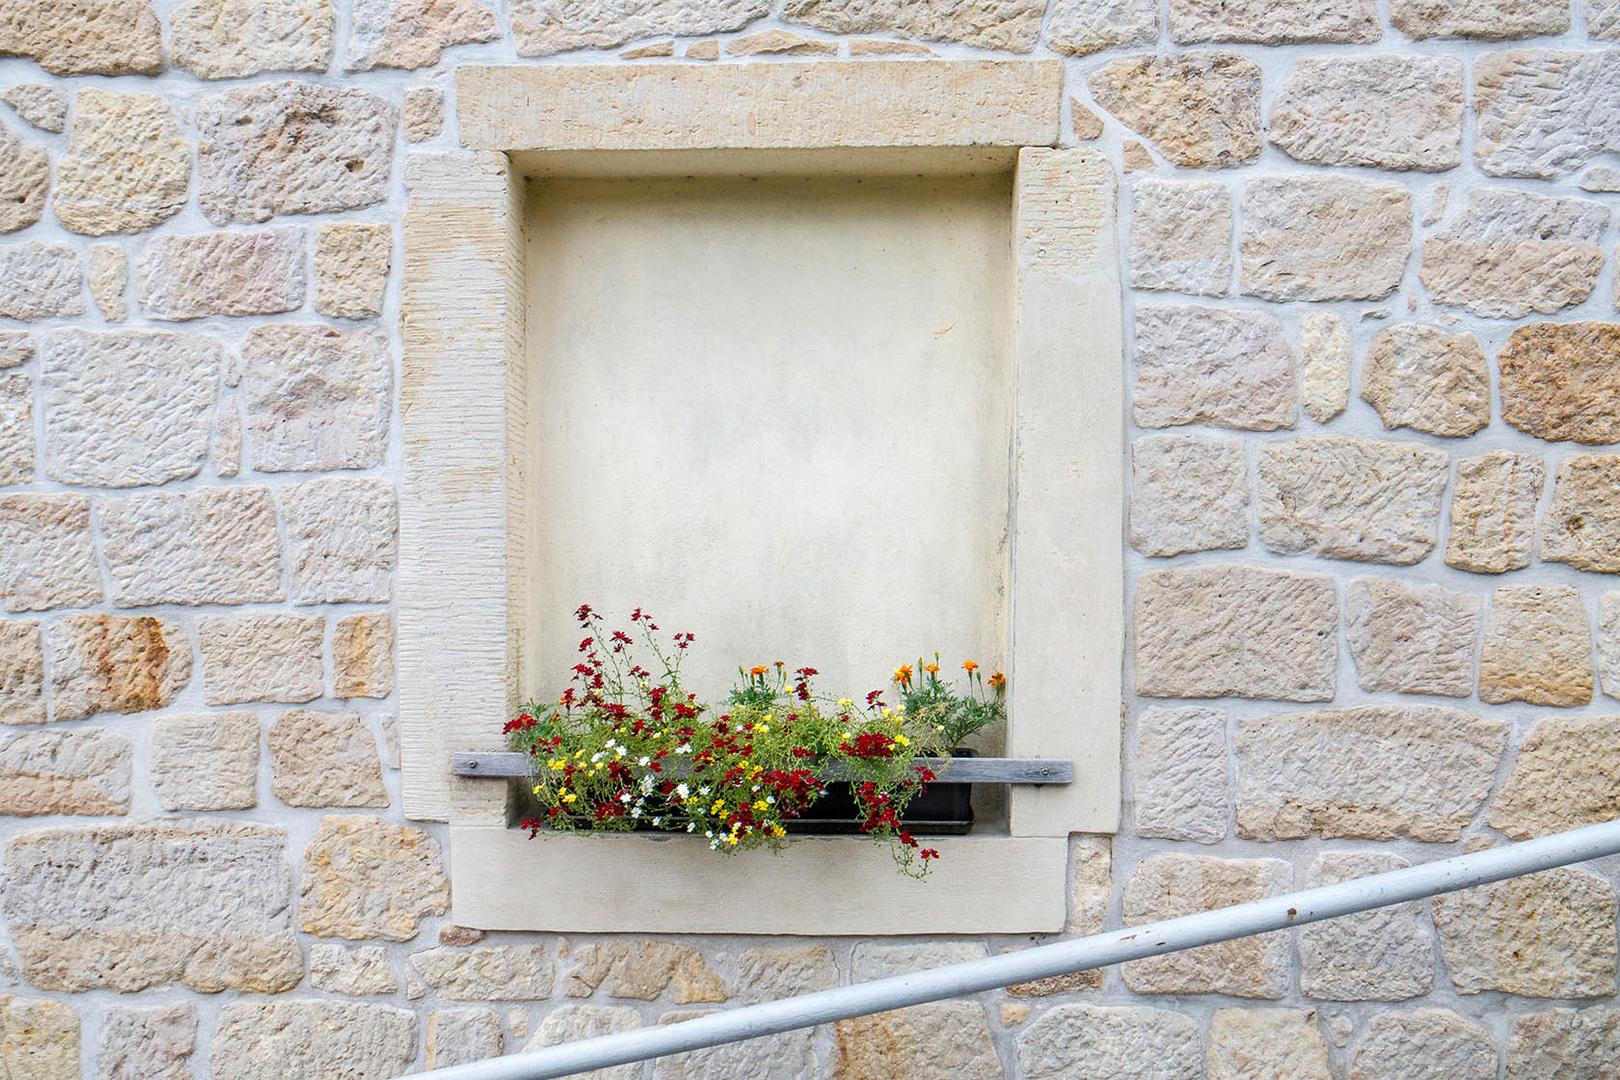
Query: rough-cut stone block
(1213,366)
(262,657)
(16,429)
(1560,381)
(1198,109)
(84,772)
(351,268)
(1565,1043)
(292,148)
(1382,955)
(1493,512)
(325,759)
(1188,494)
(1411,638)
(1582,527)
(126,907)
(1567,775)
(363,656)
(341,537)
(365,878)
(116,663)
(1273,22)
(1351,498)
(44,107)
(127,168)
(1371,772)
(1092,1040)
(1388,112)
(422,116)
(1545,935)
(205,546)
(411,34)
(774,42)
(643,970)
(22,674)
(109,281)
(1254,1044)
(312,1040)
(1325,355)
(229,39)
(47,553)
(1324,237)
(154,1043)
(1495,19)
(1184,782)
(25,178)
(1224,631)
(40,280)
(1608,643)
(16,348)
(1538,647)
(460,1036)
(1168,885)
(1513,252)
(574,1022)
(789,1056)
(544,27)
(1424,1044)
(767,974)
(1424,378)
(200,274)
(492,973)
(944,1040)
(205,761)
(1181,236)
(316,397)
(39,1040)
(83,37)
(1002,25)
(357,972)
(1082,27)
(127,407)
(1544,113)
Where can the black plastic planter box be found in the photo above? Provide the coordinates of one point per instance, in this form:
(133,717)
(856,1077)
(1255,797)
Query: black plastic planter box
(943,809)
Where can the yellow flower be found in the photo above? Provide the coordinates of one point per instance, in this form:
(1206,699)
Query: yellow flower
(845,703)
(569,797)
(901,740)
(537,789)
(902,674)
(719,807)
(732,839)
(762,806)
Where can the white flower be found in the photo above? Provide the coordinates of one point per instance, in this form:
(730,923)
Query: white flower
(645,761)
(691,826)
(684,748)
(596,757)
(635,812)
(647,784)
(624,797)
(682,790)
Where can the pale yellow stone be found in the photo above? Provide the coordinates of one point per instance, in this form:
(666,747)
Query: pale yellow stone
(775,42)
(25,178)
(351,268)
(84,37)
(1188,494)
(342,540)
(1426,379)
(1582,527)
(1569,1044)
(544,27)
(1411,638)
(487,973)
(1513,252)
(17,450)
(1082,27)
(116,663)
(1319,237)
(571,1023)
(83,772)
(766,974)
(272,656)
(203,546)
(39,280)
(155,1042)
(1493,512)
(1274,22)
(1172,884)
(1002,25)
(1388,112)
(945,1040)
(1381,955)
(1181,236)
(365,878)
(651,49)
(242,273)
(1198,109)
(1266,1044)
(325,759)
(1559,381)
(1545,935)
(39,1040)
(643,970)
(461,1036)
(47,553)
(1494,19)
(876,47)
(422,116)
(109,281)
(1325,355)
(1567,774)
(127,168)
(16,348)
(1424,1044)
(44,107)
(363,656)
(22,674)
(228,39)
(703,50)
(1538,647)
(1085,124)
(357,972)
(1205,365)
(1072,1041)
(205,761)
(312,1039)
(414,33)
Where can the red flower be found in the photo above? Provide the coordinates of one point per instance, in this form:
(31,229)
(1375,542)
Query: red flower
(583,612)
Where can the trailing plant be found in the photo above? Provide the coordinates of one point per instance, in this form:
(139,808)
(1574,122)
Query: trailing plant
(626,746)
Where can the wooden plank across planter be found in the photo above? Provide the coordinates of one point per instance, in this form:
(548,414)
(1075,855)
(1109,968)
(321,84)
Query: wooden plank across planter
(974,770)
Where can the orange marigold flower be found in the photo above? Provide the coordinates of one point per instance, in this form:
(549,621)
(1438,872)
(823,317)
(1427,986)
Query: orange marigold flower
(902,674)
(757,669)
(932,669)
(970,666)
(998,680)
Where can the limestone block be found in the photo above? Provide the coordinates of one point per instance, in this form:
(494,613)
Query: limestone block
(641,969)
(1559,381)
(1538,647)
(488,973)
(1564,777)
(1513,252)
(544,27)
(357,972)
(1387,112)
(422,116)
(1566,1043)
(316,397)
(128,167)
(1544,112)
(410,34)
(1093,1040)
(943,1040)
(42,106)
(229,39)
(460,1036)
(351,268)
(1082,27)
(1493,512)
(1273,22)
(39,1040)
(1198,364)
(16,428)
(312,1040)
(16,348)
(22,674)
(262,657)
(1494,19)
(1259,1044)
(84,772)
(1424,1044)
(341,537)
(788,1056)
(775,42)
(25,179)
(84,37)
(1171,884)
(1382,955)
(1002,25)
(573,1022)
(40,280)
(1181,236)
(1582,527)
(365,878)
(1197,109)
(242,273)
(1183,778)
(1426,379)
(1545,935)
(1324,237)
(109,281)
(47,553)
(152,1043)
(767,974)
(1411,638)
(1188,494)
(116,663)
(325,759)
(205,761)
(203,546)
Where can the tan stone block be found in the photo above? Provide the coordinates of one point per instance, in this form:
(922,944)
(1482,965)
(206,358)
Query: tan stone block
(1184,780)
(47,553)
(641,969)
(1324,237)
(1545,935)
(460,1036)
(1260,1044)
(205,761)
(128,167)
(1493,512)
(351,268)
(262,657)
(242,273)
(1513,252)
(423,114)
(16,428)
(774,42)
(40,280)
(341,538)
(789,1054)
(654,48)
(703,50)
(357,972)
(451,934)
(39,1040)
(203,546)
(84,37)
(1544,112)
(311,1040)
(1094,1041)
(945,1040)
(1564,777)
(44,107)
(1559,381)
(1412,639)
(1181,236)
(1135,158)
(1424,378)
(116,663)
(1568,1044)
(1582,527)
(1204,365)
(859,47)
(16,348)
(1172,884)
(488,973)
(365,878)
(1538,647)
(1273,22)
(83,772)
(1382,955)
(571,1023)
(25,179)
(1197,109)
(767,974)
(316,397)
(1495,19)
(1376,772)
(109,281)
(544,27)
(155,1043)
(411,34)
(1424,1044)
(22,674)
(130,906)
(1002,25)
(325,759)
(1086,124)
(1224,631)
(1388,112)
(229,39)
(1325,355)
(1188,494)
(1082,27)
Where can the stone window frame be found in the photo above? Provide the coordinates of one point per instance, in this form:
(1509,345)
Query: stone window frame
(462,578)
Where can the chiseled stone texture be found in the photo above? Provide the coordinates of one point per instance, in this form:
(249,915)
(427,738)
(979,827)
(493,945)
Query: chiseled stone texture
(1545,935)
(1608,643)
(1181,236)
(229,39)
(292,148)
(1197,109)
(574,1022)
(1263,1044)
(39,1040)
(1603,19)
(422,115)
(83,37)
(1007,25)
(16,348)
(1388,112)
(1559,381)
(1424,1044)
(491,973)
(40,280)
(1349,498)
(1567,775)
(325,759)
(1092,1040)
(1082,27)
(1423,378)
(25,177)
(127,407)
(1171,884)
(1273,22)
(351,268)
(1411,638)
(312,1039)
(154,1043)
(411,34)
(1376,772)
(126,907)
(357,972)
(789,1056)
(1513,252)
(83,772)
(1538,647)
(1325,355)
(116,663)
(1204,365)
(774,42)
(544,27)
(41,106)
(641,969)
(16,429)
(243,273)
(205,761)
(1582,527)
(940,1040)
(1226,630)
(768,973)
(1188,494)
(204,546)
(1493,511)
(363,656)
(268,656)
(127,168)
(341,535)
(1183,779)
(109,281)
(1479,18)
(22,674)
(1382,955)
(1568,1044)
(367,878)
(460,1036)
(47,552)
(316,397)
(1544,112)
(1324,237)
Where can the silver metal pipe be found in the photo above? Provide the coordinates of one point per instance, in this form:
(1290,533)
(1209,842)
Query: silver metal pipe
(1080,954)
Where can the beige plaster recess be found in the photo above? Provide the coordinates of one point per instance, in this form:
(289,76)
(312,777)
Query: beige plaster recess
(997,290)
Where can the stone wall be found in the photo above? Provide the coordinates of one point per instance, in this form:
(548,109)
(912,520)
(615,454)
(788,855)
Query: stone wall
(1375,387)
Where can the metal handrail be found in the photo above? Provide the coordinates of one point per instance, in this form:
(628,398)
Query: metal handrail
(1080,954)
